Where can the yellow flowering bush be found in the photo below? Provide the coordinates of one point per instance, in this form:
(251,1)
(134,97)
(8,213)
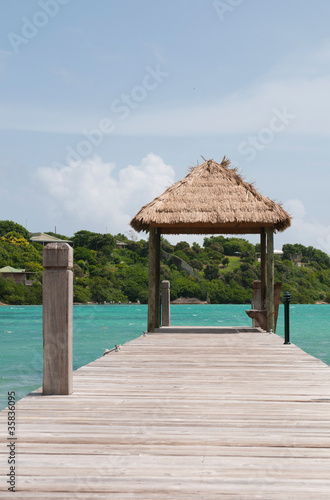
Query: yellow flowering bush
(15,238)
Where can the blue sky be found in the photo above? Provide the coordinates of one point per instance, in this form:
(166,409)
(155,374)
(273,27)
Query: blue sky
(104,104)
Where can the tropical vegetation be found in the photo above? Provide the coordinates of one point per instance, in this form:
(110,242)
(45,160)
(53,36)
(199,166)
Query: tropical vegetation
(114,268)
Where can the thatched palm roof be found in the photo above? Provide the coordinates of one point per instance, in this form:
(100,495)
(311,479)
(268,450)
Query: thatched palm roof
(212,198)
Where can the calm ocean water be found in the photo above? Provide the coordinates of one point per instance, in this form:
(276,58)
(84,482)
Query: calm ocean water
(100,327)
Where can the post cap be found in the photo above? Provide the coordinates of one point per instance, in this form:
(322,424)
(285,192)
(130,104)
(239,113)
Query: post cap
(59,255)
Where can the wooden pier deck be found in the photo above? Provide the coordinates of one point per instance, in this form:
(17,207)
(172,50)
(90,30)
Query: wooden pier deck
(180,415)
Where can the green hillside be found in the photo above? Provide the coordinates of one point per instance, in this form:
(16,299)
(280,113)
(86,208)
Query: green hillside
(223,269)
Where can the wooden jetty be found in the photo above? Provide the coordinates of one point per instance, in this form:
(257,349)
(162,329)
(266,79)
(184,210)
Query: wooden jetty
(175,414)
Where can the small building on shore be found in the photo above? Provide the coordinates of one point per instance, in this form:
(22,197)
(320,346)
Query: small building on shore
(20,276)
(279,253)
(120,244)
(45,238)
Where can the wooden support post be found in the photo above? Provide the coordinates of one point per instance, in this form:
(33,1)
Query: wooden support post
(263,267)
(154,280)
(157,276)
(166,298)
(270,280)
(57,318)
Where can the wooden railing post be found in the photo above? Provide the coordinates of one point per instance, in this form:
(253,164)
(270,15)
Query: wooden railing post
(57,318)
(166,303)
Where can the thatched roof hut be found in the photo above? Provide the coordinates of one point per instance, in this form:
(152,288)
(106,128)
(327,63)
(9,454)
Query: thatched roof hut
(212,198)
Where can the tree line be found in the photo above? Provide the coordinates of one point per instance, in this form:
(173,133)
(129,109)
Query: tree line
(222,270)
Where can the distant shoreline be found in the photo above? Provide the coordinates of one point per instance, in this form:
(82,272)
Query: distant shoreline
(188,300)
(180,301)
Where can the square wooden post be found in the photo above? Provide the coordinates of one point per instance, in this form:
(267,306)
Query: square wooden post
(263,267)
(57,318)
(270,279)
(166,299)
(154,280)
(157,274)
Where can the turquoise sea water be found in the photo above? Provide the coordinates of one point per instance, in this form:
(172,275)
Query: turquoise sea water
(100,327)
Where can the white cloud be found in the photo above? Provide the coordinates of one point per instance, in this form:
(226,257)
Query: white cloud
(296,209)
(304,230)
(91,196)
(145,181)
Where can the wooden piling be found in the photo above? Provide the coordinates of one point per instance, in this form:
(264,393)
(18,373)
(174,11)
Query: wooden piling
(57,318)
(154,280)
(270,279)
(166,298)
(157,277)
(263,267)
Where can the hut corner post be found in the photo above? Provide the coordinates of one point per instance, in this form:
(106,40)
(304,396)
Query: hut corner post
(57,318)
(154,280)
(270,280)
(263,268)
